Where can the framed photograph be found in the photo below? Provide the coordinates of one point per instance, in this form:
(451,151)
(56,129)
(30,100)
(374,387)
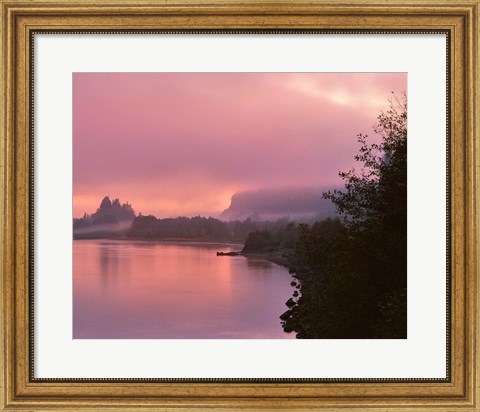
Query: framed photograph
(239,206)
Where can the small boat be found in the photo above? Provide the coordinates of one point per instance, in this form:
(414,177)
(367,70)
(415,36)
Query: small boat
(229,253)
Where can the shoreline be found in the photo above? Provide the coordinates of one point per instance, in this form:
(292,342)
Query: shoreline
(166,240)
(274,258)
(271,257)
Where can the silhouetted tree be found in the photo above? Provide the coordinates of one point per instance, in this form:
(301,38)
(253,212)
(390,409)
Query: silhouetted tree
(354,276)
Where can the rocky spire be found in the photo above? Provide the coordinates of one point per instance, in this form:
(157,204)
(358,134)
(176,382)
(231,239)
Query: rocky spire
(106,204)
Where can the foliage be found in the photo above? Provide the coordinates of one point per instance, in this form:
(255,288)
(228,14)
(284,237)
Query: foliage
(210,229)
(280,238)
(353,271)
(201,228)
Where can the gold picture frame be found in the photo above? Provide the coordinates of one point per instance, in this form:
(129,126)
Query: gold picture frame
(21,19)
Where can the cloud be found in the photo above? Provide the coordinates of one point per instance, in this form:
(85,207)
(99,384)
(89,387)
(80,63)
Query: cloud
(183,143)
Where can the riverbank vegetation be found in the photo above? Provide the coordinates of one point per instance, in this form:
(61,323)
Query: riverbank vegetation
(352,271)
(205,229)
(106,223)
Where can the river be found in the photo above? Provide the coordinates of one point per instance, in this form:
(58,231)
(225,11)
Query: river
(175,290)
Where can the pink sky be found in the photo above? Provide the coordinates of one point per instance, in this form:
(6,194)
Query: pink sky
(182,143)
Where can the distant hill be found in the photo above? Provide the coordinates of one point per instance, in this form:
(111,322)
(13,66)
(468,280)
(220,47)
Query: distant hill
(110,218)
(271,204)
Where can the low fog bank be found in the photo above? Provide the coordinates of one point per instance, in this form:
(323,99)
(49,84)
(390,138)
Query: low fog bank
(96,230)
(249,211)
(298,204)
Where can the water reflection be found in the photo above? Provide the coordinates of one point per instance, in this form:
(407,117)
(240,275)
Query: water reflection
(126,289)
(256,263)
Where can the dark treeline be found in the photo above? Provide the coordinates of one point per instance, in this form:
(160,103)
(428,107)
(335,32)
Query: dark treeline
(276,243)
(352,272)
(114,220)
(201,228)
